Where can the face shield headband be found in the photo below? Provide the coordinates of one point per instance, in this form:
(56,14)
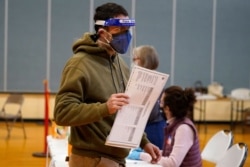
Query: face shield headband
(120,42)
(116,22)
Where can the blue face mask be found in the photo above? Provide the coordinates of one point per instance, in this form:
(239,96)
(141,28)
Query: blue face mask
(120,43)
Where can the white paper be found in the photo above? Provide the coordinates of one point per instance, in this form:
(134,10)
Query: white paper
(144,88)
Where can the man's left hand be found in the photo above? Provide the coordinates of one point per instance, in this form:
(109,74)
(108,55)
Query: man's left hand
(154,151)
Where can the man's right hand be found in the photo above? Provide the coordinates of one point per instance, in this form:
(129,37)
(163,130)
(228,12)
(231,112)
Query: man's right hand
(116,102)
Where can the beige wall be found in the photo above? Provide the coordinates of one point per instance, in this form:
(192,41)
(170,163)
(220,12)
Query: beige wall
(34,107)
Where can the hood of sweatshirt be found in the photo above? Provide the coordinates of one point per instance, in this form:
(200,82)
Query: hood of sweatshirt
(88,45)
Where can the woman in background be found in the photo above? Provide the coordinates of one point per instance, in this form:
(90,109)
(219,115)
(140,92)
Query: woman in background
(147,57)
(181,142)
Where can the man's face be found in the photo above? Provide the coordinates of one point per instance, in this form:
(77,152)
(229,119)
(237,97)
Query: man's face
(115,30)
(115,38)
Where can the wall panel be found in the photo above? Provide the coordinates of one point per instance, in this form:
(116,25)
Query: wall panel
(232,61)
(27,53)
(193,42)
(26,64)
(2,4)
(68,23)
(155,28)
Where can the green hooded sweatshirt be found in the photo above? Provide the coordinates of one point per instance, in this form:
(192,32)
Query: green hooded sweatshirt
(89,78)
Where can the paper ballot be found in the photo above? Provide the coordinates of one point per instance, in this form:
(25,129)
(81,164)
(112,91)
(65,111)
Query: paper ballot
(144,88)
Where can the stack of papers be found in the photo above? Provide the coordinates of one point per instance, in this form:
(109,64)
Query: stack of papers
(144,88)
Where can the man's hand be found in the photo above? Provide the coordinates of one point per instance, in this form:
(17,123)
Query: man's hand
(116,101)
(154,151)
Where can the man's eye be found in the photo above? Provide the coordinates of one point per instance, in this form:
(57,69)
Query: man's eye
(123,32)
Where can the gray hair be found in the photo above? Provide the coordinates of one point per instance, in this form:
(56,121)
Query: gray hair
(147,55)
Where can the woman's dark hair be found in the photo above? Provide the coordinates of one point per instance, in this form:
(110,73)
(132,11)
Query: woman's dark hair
(107,11)
(180,101)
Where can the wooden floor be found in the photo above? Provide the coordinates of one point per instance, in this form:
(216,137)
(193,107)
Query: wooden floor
(17,151)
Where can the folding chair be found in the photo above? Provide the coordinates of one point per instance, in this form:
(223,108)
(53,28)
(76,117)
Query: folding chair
(11,112)
(235,156)
(217,145)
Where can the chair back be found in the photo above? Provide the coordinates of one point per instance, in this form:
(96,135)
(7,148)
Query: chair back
(235,156)
(217,145)
(11,112)
(13,104)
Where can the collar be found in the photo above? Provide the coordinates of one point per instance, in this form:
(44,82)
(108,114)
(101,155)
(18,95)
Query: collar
(170,121)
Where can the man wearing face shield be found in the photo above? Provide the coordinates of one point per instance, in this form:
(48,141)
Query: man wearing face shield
(91,91)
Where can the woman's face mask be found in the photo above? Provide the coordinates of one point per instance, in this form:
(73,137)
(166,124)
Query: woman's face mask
(120,42)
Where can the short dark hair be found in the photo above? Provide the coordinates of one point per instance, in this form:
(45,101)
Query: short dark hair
(107,11)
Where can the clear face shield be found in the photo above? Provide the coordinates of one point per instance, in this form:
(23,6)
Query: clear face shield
(123,35)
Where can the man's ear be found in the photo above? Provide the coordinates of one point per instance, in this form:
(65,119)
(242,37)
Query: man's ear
(101,32)
(104,34)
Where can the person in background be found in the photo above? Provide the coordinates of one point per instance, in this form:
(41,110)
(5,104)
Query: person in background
(146,56)
(91,91)
(181,142)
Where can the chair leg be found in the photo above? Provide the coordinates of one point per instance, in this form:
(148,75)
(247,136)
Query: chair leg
(24,132)
(237,115)
(243,121)
(11,127)
(241,117)
(8,127)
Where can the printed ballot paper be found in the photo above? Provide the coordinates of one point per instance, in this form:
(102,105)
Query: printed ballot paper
(144,88)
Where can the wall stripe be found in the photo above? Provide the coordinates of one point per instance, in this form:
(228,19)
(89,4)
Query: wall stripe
(173,43)
(91,15)
(133,30)
(48,47)
(213,41)
(5,58)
